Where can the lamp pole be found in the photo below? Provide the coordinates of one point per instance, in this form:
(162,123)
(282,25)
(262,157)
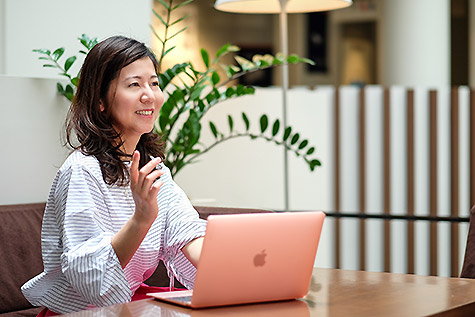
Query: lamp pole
(285,86)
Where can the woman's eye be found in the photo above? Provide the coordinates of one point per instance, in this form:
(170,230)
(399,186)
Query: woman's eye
(134,85)
(155,83)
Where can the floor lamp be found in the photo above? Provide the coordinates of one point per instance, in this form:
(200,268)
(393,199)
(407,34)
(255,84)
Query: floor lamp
(282,7)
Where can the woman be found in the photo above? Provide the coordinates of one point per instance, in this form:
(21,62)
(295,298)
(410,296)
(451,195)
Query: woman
(113,210)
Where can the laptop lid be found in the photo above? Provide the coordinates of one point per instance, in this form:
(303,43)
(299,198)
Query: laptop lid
(249,258)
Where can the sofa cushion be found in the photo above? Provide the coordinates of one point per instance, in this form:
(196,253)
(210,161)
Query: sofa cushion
(20,249)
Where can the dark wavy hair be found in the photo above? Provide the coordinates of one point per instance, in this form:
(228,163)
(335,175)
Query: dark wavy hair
(92,128)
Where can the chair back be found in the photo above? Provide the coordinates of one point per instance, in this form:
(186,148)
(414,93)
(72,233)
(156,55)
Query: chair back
(468,269)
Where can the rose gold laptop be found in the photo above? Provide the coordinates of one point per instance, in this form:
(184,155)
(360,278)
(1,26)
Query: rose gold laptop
(250,258)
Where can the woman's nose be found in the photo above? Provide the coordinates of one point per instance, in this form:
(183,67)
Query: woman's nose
(147,95)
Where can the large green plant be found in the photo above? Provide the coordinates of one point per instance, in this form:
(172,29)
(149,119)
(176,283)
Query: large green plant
(188,101)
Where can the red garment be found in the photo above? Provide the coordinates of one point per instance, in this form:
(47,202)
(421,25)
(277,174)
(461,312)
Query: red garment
(140,293)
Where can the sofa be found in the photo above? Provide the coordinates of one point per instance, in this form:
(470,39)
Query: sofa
(20,247)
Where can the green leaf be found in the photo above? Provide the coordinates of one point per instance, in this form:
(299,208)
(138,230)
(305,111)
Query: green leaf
(246,121)
(310,151)
(205,56)
(182,30)
(231,123)
(308,61)
(84,39)
(278,59)
(241,90)
(164,4)
(244,63)
(215,78)
(156,35)
(179,20)
(230,92)
(303,144)
(87,42)
(287,133)
(225,49)
(213,129)
(275,127)
(168,50)
(264,121)
(60,88)
(192,151)
(69,89)
(165,112)
(295,138)
(230,70)
(159,17)
(212,98)
(69,92)
(314,163)
(58,53)
(293,59)
(197,92)
(181,4)
(69,62)
(75,81)
(49,65)
(43,51)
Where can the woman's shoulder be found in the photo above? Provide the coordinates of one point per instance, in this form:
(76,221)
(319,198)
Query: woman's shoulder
(78,160)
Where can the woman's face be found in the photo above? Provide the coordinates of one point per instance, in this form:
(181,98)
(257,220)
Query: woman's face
(134,98)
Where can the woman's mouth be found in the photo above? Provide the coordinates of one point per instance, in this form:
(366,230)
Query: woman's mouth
(144,112)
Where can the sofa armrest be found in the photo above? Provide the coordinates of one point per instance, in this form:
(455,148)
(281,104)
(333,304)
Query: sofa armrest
(20,247)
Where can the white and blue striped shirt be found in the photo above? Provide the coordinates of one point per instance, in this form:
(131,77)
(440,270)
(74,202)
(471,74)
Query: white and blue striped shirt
(81,269)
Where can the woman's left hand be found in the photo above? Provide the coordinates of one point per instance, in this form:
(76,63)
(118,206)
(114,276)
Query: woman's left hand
(145,187)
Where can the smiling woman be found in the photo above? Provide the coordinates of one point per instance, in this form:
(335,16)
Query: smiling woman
(109,221)
(133,102)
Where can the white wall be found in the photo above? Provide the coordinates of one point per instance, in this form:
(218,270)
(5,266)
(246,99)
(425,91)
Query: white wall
(31,119)
(415,44)
(32,24)
(2,35)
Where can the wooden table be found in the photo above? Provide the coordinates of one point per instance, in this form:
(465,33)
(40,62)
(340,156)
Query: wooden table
(337,293)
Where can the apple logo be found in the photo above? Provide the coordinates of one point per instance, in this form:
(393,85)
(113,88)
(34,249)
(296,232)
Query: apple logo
(260,258)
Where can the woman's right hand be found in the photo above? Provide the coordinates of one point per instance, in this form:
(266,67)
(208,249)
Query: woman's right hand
(145,187)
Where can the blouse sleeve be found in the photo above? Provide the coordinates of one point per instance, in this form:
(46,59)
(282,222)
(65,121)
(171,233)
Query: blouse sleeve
(182,226)
(88,261)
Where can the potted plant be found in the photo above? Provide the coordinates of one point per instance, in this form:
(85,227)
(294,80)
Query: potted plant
(179,122)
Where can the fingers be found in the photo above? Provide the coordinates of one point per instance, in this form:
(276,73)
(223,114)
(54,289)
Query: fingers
(149,180)
(148,173)
(141,181)
(134,169)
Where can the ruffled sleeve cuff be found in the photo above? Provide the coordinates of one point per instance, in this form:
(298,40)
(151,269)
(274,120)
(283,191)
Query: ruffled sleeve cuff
(94,271)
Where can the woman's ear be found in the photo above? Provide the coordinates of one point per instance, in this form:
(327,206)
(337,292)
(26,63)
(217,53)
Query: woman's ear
(101,106)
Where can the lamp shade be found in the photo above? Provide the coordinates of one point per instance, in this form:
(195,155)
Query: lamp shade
(273,6)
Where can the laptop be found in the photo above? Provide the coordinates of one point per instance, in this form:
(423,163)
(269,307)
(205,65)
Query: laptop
(253,258)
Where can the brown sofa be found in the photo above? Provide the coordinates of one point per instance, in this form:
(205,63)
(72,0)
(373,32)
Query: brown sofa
(20,247)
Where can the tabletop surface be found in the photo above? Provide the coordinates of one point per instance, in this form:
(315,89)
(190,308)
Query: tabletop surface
(337,292)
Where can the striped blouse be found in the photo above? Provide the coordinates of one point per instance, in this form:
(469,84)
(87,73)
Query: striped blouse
(81,269)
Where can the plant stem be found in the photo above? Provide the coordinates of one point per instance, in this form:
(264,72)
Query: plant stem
(233,136)
(165,39)
(59,67)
